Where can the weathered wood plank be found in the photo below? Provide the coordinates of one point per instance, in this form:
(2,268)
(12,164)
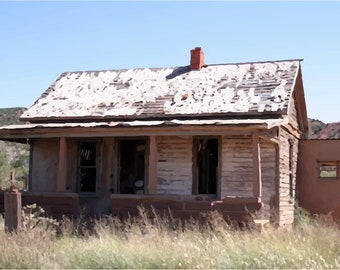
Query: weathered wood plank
(174,165)
(257,181)
(153,159)
(62,165)
(287,183)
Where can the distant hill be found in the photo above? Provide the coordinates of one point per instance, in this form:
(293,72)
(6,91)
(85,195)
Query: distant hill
(320,130)
(13,156)
(9,116)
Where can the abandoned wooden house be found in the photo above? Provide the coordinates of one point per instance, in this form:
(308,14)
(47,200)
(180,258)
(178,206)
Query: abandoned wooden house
(188,139)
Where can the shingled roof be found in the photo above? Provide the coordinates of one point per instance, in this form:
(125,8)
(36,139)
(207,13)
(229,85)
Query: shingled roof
(249,89)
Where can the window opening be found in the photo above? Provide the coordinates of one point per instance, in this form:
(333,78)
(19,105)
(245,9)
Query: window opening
(132,166)
(87,167)
(328,169)
(207,164)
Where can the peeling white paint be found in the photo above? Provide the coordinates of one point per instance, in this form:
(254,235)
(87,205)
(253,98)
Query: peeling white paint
(214,89)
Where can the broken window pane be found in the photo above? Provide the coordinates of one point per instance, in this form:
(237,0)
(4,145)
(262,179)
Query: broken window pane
(87,167)
(88,154)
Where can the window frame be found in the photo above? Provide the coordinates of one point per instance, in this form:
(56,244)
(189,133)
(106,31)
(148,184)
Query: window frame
(324,163)
(96,166)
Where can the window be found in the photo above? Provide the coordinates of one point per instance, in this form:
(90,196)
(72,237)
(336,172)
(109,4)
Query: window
(87,167)
(328,169)
(206,164)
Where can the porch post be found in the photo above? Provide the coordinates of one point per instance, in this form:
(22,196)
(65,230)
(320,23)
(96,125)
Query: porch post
(257,181)
(62,168)
(152,168)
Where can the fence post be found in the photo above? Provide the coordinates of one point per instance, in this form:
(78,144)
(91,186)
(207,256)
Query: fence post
(12,203)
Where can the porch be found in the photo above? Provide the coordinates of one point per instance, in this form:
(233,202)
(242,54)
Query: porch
(232,208)
(239,172)
(56,205)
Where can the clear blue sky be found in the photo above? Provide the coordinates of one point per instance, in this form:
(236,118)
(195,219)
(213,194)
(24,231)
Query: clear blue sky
(40,40)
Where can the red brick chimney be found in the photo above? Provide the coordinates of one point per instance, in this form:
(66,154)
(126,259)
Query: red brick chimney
(197,59)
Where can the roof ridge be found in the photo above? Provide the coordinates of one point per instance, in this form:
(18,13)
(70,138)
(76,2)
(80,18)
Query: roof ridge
(174,67)
(257,62)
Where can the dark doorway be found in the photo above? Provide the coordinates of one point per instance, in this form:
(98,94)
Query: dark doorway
(87,166)
(132,166)
(206,165)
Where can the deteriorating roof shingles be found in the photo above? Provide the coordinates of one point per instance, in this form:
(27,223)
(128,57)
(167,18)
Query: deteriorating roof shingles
(247,88)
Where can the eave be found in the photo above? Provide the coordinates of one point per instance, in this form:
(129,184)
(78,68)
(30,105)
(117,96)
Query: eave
(21,133)
(160,117)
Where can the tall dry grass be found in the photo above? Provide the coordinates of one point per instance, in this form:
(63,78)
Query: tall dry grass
(159,242)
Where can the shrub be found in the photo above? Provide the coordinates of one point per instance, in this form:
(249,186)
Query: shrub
(302,218)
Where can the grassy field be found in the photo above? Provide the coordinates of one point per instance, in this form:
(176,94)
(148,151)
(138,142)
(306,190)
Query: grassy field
(164,243)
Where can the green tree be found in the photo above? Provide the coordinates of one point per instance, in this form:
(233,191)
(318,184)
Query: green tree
(4,171)
(20,167)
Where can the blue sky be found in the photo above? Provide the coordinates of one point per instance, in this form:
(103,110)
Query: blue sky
(40,40)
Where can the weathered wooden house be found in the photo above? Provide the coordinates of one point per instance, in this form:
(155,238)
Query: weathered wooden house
(191,138)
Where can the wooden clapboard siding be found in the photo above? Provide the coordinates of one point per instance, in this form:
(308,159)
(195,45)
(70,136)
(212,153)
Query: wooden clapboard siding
(174,165)
(257,182)
(106,165)
(287,176)
(152,166)
(110,163)
(45,157)
(62,165)
(237,166)
(293,117)
(268,161)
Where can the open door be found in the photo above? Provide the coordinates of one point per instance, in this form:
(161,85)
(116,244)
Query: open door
(206,159)
(131,172)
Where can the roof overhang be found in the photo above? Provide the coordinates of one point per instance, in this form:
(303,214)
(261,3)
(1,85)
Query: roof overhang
(20,133)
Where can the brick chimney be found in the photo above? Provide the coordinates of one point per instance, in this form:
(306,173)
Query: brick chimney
(197,59)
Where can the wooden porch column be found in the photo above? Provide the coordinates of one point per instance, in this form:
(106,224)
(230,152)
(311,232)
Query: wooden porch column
(153,159)
(257,181)
(12,205)
(62,168)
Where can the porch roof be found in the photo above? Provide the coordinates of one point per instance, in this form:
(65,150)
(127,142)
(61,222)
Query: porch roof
(121,128)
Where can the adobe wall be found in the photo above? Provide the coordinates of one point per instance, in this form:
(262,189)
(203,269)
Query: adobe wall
(318,195)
